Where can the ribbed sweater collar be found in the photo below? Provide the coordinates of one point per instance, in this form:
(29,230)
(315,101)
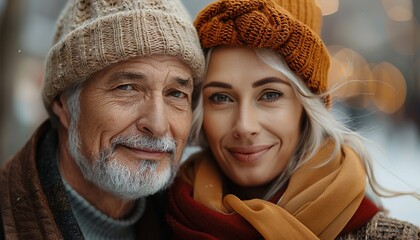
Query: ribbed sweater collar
(96,225)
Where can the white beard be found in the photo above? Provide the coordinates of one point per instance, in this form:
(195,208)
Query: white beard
(124,181)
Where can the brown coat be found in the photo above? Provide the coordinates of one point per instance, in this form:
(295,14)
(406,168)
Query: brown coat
(33,201)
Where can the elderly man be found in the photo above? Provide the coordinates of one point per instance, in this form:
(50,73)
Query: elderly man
(119,86)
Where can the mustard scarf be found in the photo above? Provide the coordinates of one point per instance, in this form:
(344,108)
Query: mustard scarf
(319,200)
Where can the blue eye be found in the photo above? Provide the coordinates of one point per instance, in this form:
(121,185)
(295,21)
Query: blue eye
(271,96)
(220,98)
(178,94)
(126,87)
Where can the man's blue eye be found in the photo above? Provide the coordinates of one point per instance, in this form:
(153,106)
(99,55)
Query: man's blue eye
(178,94)
(125,87)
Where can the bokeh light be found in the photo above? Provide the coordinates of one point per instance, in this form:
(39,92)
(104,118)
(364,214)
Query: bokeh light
(360,84)
(350,77)
(391,88)
(328,7)
(398,10)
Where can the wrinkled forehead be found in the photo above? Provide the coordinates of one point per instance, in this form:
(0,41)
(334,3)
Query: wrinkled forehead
(146,67)
(159,62)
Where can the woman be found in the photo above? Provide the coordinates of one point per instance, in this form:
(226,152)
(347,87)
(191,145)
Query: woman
(275,163)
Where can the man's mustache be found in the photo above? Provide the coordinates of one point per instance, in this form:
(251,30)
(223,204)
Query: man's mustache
(162,144)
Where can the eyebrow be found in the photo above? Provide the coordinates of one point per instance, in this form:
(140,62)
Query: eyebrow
(126,75)
(218,85)
(269,80)
(258,83)
(186,82)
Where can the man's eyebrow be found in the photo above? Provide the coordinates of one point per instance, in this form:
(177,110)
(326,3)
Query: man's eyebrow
(185,82)
(218,85)
(269,80)
(115,77)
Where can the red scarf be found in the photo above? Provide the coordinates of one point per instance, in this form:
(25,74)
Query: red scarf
(191,219)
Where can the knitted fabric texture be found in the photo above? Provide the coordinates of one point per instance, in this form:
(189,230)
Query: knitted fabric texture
(95,224)
(383,227)
(290,27)
(93,34)
(306,11)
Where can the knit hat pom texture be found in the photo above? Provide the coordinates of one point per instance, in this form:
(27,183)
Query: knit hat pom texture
(267,24)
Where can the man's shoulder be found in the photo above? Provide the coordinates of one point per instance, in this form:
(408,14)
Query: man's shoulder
(19,178)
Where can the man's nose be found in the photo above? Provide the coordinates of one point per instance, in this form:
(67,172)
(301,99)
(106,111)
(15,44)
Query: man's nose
(153,118)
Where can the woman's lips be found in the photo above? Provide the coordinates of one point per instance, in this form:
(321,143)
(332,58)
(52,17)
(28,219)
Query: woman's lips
(248,154)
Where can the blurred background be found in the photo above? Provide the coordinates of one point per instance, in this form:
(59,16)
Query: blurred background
(374,47)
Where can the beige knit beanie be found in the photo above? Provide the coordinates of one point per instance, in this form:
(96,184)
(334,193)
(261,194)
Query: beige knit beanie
(93,34)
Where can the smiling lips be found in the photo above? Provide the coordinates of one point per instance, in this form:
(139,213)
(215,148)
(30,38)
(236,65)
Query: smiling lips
(149,153)
(248,154)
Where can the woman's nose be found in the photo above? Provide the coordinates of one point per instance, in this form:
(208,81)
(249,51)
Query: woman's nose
(246,124)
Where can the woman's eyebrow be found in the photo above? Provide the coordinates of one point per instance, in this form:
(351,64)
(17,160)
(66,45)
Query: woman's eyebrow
(254,85)
(218,85)
(269,80)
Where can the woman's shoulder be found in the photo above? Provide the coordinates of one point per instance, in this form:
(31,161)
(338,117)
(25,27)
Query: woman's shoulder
(383,227)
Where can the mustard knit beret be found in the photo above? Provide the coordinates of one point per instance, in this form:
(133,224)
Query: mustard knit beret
(93,34)
(290,27)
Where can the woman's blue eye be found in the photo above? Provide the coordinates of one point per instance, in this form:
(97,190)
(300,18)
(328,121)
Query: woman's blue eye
(271,96)
(219,98)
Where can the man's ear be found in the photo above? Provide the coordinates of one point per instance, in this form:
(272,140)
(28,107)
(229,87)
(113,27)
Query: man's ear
(60,108)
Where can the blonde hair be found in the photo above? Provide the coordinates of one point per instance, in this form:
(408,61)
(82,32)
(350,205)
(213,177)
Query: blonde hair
(318,125)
